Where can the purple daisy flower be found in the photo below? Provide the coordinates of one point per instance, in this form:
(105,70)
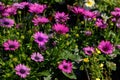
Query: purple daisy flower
(6,22)
(10,10)
(18,5)
(40,20)
(61,17)
(89,14)
(36,56)
(60,28)
(40,38)
(88,33)
(22,70)
(106,47)
(100,23)
(11,45)
(36,8)
(65,66)
(78,10)
(88,50)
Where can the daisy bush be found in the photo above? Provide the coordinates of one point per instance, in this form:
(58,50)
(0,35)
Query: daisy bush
(59,40)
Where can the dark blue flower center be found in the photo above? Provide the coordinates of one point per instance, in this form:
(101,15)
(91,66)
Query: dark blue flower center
(40,39)
(22,71)
(65,67)
(6,23)
(11,46)
(105,48)
(37,58)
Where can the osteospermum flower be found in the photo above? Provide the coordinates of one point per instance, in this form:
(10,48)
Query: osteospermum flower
(6,22)
(65,66)
(40,20)
(61,17)
(106,47)
(88,50)
(100,23)
(36,56)
(60,28)
(22,70)
(36,8)
(78,10)
(40,38)
(11,45)
(18,5)
(10,10)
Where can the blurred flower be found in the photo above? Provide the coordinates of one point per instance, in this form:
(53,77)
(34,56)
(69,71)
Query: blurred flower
(18,5)
(88,33)
(101,65)
(10,10)
(39,20)
(60,28)
(97,51)
(118,23)
(11,45)
(97,78)
(118,46)
(6,22)
(78,10)
(61,17)
(116,12)
(22,70)
(40,38)
(100,23)
(36,56)
(88,50)
(89,3)
(86,60)
(65,66)
(36,8)
(89,14)
(106,47)
(1,7)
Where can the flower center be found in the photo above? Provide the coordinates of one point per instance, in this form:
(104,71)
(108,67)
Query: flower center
(65,67)
(40,39)
(11,46)
(105,48)
(22,71)
(6,23)
(37,58)
(89,52)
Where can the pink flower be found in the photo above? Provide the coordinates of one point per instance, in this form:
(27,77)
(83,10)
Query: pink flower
(40,38)
(36,56)
(36,8)
(60,28)
(22,70)
(78,10)
(40,20)
(11,45)
(106,47)
(100,23)
(65,66)
(61,17)
(10,10)
(88,50)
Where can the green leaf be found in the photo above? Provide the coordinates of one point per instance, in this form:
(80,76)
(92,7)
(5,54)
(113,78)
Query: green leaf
(111,65)
(48,77)
(44,73)
(71,75)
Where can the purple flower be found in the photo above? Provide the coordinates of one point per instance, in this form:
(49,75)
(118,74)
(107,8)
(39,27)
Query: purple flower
(78,10)
(40,20)
(10,10)
(88,33)
(6,22)
(88,50)
(61,17)
(100,23)
(11,45)
(106,47)
(118,23)
(36,56)
(18,5)
(65,66)
(40,38)
(60,28)
(1,7)
(22,70)
(36,8)
(89,14)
